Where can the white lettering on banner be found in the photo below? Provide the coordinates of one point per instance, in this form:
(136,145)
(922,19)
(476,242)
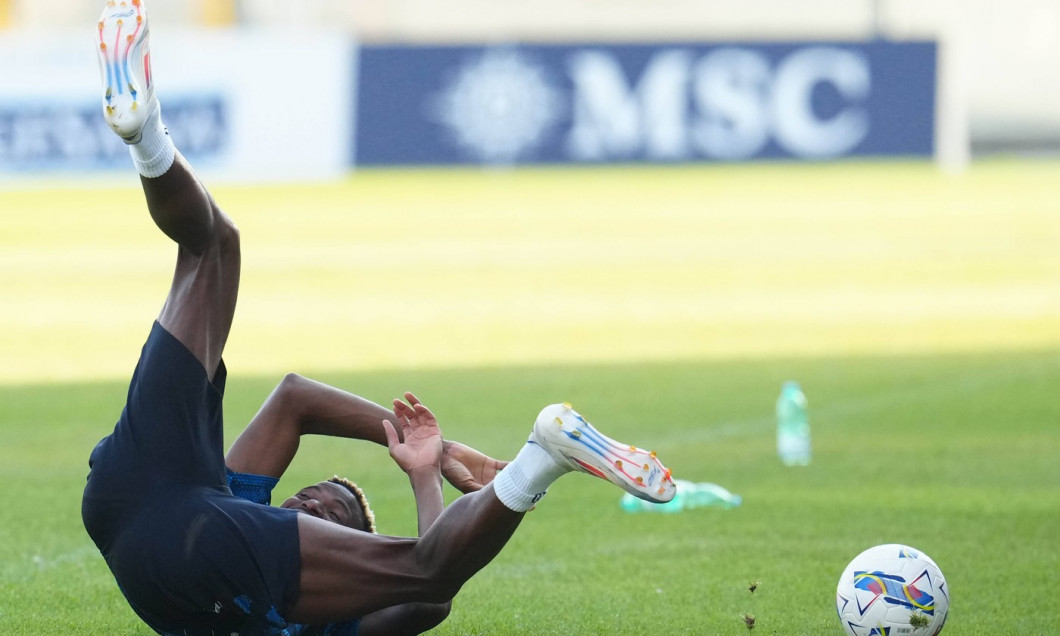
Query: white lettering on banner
(34,137)
(74,137)
(201,127)
(737,103)
(797,127)
(219,101)
(610,120)
(730,92)
(77,140)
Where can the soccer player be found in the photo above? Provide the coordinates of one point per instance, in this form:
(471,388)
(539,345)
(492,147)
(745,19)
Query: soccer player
(192,558)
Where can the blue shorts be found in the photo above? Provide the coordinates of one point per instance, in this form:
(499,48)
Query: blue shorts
(190,557)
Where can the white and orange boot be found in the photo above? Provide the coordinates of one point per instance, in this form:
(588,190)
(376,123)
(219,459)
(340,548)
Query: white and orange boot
(125,68)
(574,442)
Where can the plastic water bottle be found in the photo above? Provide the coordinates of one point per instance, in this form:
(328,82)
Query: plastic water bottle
(793,427)
(689,495)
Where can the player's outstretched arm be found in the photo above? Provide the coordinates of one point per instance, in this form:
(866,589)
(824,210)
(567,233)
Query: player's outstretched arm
(300,406)
(419,453)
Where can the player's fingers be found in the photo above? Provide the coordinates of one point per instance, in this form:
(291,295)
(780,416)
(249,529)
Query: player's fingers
(391,434)
(462,479)
(402,422)
(400,408)
(406,415)
(422,410)
(413,400)
(469,485)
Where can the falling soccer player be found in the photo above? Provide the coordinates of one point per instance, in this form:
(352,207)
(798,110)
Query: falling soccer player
(188,532)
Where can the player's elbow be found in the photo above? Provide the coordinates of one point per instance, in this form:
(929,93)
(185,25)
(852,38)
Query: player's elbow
(291,384)
(288,397)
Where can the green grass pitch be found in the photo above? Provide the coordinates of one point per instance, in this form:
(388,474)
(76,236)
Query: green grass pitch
(920,311)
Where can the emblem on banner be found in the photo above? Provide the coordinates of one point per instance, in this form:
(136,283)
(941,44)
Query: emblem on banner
(498,106)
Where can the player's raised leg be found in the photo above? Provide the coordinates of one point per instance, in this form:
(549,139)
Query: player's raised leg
(471,531)
(201,302)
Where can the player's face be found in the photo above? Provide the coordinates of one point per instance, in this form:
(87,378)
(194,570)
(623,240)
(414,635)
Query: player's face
(330,502)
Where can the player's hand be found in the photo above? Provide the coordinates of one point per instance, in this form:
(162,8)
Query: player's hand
(421,447)
(467,469)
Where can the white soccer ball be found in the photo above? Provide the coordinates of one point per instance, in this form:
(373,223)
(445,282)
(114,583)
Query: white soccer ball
(892,590)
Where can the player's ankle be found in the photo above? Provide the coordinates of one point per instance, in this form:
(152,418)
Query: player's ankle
(524,481)
(154,153)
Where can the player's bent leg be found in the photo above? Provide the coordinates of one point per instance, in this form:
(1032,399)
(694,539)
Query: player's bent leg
(202,299)
(408,618)
(431,569)
(201,302)
(471,531)
(182,207)
(179,203)
(130,107)
(335,564)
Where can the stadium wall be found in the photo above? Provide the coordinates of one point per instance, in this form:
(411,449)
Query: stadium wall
(264,105)
(256,105)
(1007,89)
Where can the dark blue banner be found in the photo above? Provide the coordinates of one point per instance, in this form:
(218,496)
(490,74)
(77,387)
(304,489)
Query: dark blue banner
(43,135)
(643,103)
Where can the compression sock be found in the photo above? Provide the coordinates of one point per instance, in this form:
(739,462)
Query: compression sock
(153,155)
(524,481)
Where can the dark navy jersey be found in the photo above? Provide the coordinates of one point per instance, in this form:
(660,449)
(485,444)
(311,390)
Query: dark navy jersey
(258,488)
(190,557)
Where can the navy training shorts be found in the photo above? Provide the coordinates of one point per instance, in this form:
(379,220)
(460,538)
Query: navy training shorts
(190,557)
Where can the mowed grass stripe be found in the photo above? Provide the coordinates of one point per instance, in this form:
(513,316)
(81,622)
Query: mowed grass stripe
(468,268)
(954,454)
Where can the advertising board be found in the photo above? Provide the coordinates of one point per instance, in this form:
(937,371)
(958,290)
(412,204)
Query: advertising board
(643,102)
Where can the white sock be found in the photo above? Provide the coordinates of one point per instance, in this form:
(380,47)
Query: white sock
(523,482)
(153,155)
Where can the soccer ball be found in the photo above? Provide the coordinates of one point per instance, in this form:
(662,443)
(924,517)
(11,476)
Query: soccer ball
(892,590)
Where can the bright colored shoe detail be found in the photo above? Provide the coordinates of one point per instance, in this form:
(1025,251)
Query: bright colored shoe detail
(574,442)
(125,68)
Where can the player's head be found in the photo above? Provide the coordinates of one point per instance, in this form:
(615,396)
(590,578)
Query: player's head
(338,500)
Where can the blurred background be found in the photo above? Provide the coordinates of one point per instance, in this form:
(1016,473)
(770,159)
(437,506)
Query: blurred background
(697,179)
(999,56)
(659,211)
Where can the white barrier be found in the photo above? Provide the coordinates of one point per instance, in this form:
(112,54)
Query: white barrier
(243,105)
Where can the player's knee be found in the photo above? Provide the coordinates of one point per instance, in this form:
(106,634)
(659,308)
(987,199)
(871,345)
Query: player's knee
(439,611)
(430,615)
(440,590)
(226,234)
